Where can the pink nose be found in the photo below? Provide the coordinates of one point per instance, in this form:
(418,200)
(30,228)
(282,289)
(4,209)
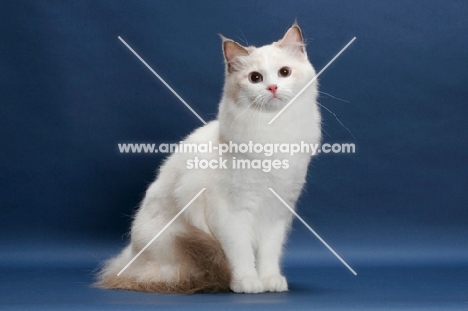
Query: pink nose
(272,88)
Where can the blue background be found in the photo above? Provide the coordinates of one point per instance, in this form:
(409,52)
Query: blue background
(396,210)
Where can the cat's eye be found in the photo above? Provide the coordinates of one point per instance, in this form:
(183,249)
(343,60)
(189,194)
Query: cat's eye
(255,77)
(284,72)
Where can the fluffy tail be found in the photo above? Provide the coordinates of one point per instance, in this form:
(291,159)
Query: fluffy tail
(203,268)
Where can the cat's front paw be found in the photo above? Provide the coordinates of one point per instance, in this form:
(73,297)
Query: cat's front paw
(275,283)
(247,285)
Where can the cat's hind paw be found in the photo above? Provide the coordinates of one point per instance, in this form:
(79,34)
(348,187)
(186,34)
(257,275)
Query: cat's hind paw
(247,285)
(275,283)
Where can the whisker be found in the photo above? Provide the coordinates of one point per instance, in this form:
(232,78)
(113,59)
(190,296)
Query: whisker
(258,119)
(233,107)
(240,39)
(250,121)
(240,115)
(298,119)
(336,118)
(337,98)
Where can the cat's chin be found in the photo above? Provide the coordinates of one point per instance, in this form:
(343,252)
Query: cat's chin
(274,104)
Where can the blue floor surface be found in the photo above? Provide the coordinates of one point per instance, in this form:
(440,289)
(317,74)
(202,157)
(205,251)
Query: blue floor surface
(311,288)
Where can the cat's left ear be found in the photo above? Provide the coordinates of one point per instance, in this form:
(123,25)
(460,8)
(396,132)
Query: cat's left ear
(293,40)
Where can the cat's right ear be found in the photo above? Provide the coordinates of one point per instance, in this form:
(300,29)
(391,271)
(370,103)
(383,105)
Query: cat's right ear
(232,50)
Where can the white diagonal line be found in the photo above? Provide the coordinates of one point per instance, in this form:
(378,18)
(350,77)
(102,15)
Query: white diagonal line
(162,230)
(311,81)
(162,80)
(312,230)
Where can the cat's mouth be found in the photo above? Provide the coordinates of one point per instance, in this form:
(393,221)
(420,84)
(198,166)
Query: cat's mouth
(273,103)
(269,102)
(276,99)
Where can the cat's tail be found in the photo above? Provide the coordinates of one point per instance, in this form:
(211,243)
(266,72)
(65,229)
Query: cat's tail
(203,252)
(201,266)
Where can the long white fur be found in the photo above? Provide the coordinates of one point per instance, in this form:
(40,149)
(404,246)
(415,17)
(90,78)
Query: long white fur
(237,208)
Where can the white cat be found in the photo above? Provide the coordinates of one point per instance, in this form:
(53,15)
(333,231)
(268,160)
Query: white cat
(232,235)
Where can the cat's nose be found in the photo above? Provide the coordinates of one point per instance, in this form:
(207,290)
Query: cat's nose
(272,88)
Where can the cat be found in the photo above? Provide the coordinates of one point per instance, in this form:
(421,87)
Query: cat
(231,237)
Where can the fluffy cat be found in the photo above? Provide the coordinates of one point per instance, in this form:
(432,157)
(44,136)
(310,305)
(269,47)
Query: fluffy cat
(231,237)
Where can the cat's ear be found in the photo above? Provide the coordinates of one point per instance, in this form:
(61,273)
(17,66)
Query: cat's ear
(293,40)
(232,50)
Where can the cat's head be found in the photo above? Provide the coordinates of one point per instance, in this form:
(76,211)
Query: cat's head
(267,77)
